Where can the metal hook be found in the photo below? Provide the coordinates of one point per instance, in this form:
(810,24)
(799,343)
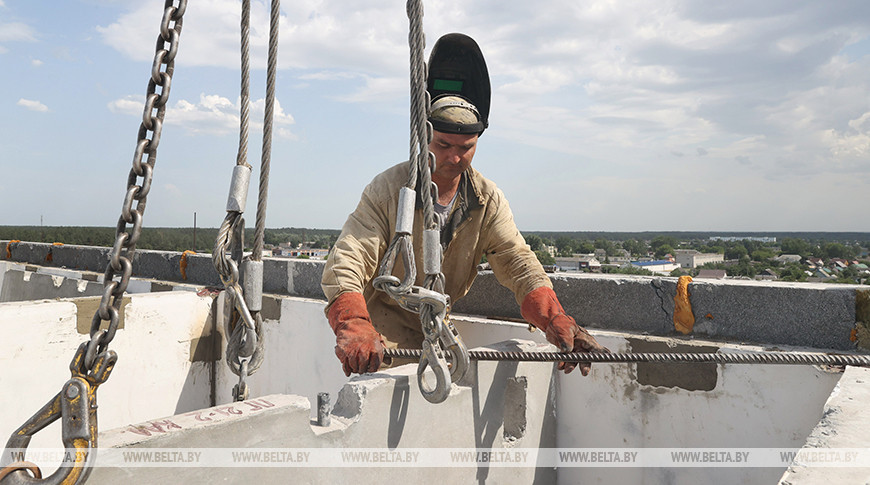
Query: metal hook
(433,357)
(459,360)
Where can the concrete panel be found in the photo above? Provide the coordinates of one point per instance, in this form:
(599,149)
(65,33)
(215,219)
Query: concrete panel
(299,357)
(300,338)
(751,406)
(775,313)
(154,375)
(813,315)
(472,418)
(22,285)
(6,266)
(297,277)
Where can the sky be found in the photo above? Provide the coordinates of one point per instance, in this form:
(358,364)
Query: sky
(607,115)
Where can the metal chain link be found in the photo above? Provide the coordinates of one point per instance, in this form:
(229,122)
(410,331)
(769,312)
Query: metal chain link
(785,358)
(120,262)
(76,404)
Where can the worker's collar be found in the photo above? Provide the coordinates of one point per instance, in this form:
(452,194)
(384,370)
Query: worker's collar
(469,196)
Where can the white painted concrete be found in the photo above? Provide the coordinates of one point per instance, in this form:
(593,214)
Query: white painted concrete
(749,406)
(300,356)
(384,411)
(153,376)
(752,406)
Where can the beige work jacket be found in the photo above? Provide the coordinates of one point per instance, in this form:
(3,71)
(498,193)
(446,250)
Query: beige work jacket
(480,223)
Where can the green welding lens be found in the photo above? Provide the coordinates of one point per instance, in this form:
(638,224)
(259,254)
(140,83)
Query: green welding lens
(447,85)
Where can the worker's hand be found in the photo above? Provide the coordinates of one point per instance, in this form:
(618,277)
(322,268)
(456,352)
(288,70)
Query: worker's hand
(357,345)
(564,333)
(543,310)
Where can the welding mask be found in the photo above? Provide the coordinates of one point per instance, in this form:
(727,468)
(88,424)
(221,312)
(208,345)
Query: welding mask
(457,70)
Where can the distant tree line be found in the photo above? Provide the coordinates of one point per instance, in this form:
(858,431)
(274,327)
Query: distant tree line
(746,257)
(164,238)
(661,244)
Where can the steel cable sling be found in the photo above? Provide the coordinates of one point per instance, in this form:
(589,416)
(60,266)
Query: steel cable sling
(785,358)
(429,301)
(76,404)
(245,351)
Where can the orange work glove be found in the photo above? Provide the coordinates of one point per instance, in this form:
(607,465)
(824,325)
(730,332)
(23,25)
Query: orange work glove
(543,310)
(358,346)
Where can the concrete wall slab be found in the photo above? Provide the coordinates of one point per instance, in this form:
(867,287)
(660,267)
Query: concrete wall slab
(154,375)
(474,417)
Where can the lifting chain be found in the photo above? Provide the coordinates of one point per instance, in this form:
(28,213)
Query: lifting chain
(441,340)
(244,334)
(76,404)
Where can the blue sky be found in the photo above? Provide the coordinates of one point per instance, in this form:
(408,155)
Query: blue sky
(607,115)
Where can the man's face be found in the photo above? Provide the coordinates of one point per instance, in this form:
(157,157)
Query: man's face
(453,154)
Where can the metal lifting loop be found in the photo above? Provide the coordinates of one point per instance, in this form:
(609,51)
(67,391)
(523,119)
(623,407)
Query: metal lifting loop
(244,342)
(429,301)
(433,323)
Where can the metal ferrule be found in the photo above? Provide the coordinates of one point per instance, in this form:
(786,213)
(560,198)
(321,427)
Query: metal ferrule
(252,275)
(432,251)
(239,189)
(405,215)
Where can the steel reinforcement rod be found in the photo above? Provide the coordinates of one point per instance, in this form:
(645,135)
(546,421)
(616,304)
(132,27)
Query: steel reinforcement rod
(792,358)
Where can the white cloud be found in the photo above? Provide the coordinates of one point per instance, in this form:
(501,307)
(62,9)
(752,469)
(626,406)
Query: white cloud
(16,32)
(36,63)
(211,115)
(32,105)
(715,92)
(314,34)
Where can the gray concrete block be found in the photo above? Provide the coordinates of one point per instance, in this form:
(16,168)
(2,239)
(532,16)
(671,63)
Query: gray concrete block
(298,277)
(21,285)
(487,297)
(773,313)
(805,315)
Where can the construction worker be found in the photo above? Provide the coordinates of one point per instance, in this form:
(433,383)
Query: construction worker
(475,221)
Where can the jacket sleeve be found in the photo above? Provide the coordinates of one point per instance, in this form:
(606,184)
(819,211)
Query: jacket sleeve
(364,237)
(514,264)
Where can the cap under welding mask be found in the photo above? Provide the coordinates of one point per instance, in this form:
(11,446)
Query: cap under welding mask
(458,83)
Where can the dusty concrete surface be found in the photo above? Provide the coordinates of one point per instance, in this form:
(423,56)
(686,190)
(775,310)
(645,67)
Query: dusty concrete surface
(382,413)
(843,427)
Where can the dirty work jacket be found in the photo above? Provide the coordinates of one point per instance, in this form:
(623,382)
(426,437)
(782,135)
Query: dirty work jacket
(480,223)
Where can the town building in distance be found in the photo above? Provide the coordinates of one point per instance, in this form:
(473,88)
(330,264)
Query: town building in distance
(690,258)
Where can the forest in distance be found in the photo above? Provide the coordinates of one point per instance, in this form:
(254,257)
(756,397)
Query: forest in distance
(182,238)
